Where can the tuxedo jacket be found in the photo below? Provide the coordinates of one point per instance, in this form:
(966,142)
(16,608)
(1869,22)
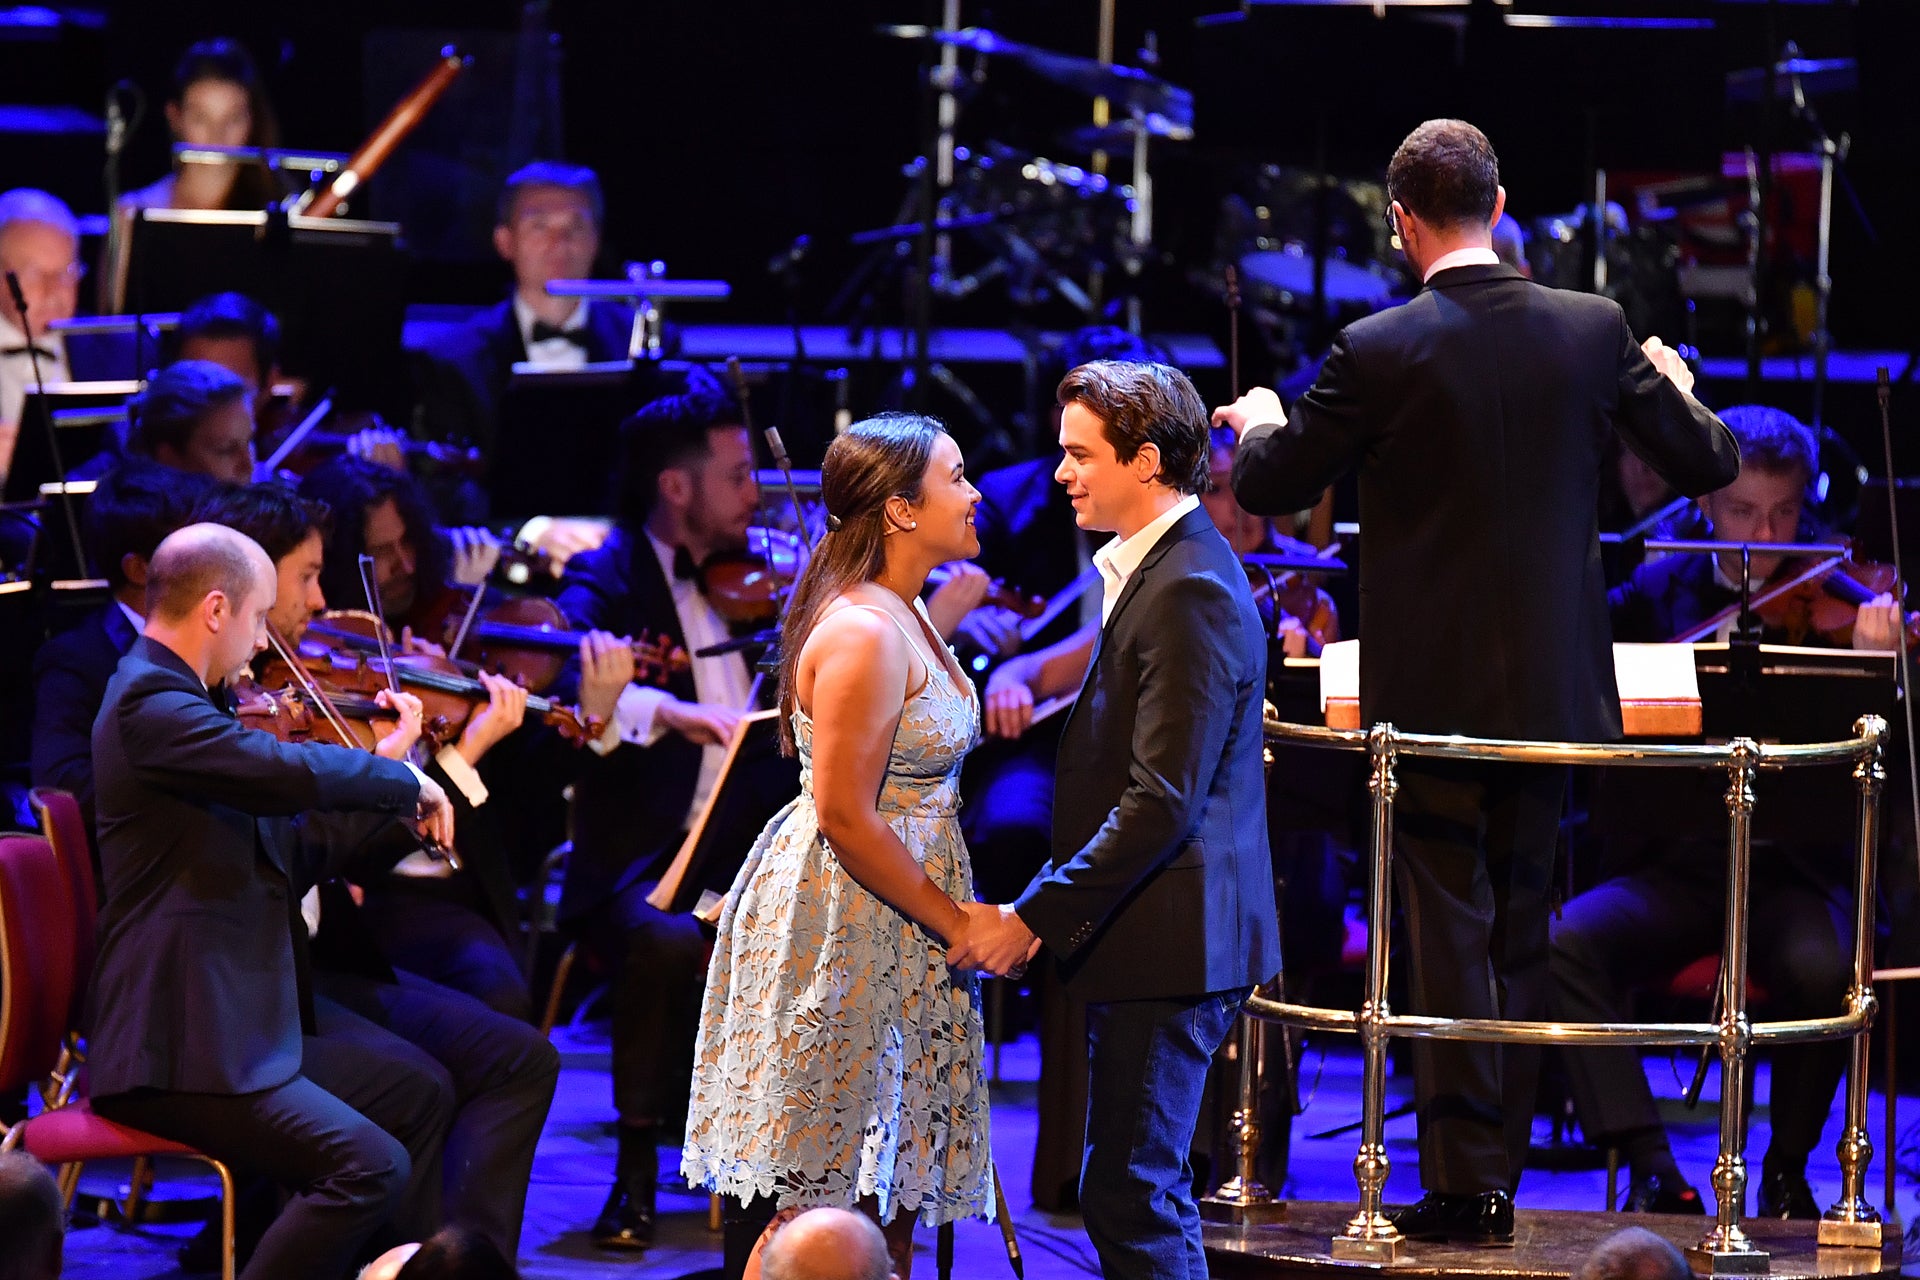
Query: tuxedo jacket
(70,675)
(194,988)
(1479,416)
(1161,884)
(461,373)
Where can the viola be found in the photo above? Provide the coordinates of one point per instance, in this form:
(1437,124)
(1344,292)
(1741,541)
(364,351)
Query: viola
(748,587)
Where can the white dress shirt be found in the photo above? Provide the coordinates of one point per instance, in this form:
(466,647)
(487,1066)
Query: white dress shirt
(1119,559)
(552,353)
(1476,256)
(723,681)
(16,376)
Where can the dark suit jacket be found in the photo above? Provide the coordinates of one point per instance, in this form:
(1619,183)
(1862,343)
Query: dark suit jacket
(461,374)
(1478,415)
(194,988)
(1160,883)
(70,675)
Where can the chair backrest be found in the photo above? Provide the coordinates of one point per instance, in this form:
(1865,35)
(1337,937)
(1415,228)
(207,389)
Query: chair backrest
(66,831)
(36,960)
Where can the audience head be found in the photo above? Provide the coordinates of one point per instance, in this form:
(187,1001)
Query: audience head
(827,1244)
(1766,502)
(195,416)
(217,100)
(1443,185)
(32,1219)
(452,1253)
(686,469)
(293,531)
(549,225)
(209,589)
(1129,432)
(40,243)
(234,332)
(383,513)
(131,509)
(1633,1253)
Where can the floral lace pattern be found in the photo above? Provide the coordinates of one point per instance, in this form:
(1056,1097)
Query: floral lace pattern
(839,1058)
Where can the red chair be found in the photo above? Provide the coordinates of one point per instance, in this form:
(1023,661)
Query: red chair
(38,923)
(66,832)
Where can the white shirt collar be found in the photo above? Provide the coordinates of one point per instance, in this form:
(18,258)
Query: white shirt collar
(524,317)
(664,553)
(1473,256)
(139,623)
(1120,557)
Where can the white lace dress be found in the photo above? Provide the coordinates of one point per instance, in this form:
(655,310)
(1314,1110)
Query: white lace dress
(839,1057)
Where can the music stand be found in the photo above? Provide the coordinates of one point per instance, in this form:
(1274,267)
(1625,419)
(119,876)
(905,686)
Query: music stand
(559,444)
(88,417)
(755,782)
(337,286)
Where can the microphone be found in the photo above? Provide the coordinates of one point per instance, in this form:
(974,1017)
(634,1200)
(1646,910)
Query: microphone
(46,420)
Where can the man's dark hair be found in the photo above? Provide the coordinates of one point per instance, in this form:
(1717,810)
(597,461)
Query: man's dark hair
(132,508)
(1633,1253)
(672,431)
(1773,440)
(457,1253)
(350,487)
(1446,174)
(221,58)
(177,400)
(1142,404)
(550,173)
(232,315)
(32,1219)
(271,514)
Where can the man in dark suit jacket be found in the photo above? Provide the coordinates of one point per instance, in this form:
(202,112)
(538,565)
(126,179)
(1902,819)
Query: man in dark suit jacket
(1158,902)
(1663,906)
(1478,416)
(687,492)
(194,1008)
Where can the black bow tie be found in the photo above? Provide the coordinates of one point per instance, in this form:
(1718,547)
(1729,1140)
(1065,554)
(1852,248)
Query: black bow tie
(544,332)
(685,568)
(42,352)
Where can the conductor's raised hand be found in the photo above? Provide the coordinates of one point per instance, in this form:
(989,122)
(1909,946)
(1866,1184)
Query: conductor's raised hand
(1669,363)
(1259,405)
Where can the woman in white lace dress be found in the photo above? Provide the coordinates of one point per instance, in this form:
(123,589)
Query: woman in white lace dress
(839,1060)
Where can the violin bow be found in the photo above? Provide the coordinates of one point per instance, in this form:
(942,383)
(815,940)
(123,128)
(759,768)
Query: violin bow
(1233,330)
(778,449)
(1883,391)
(382,633)
(310,687)
(737,380)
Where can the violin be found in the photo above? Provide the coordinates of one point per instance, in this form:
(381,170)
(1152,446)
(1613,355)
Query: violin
(337,646)
(999,594)
(1293,593)
(748,587)
(1817,601)
(301,446)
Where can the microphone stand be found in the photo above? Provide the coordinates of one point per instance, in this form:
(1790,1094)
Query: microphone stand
(46,422)
(1883,389)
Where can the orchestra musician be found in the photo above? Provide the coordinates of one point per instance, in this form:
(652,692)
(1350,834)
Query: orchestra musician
(216,99)
(40,245)
(193,416)
(196,1028)
(1475,416)
(1666,908)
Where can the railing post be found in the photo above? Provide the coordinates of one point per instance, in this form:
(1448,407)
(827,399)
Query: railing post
(1852,1222)
(1369,1236)
(1727,1250)
(1243,1200)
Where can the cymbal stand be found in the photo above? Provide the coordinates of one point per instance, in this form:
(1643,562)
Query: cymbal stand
(1833,152)
(1141,227)
(933,250)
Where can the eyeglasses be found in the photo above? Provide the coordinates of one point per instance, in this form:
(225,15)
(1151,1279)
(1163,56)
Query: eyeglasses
(72,273)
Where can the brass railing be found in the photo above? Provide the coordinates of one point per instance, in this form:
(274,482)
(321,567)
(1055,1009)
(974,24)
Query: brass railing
(1726,1249)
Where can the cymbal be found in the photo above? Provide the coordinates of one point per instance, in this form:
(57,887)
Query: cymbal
(1119,135)
(1817,77)
(1127,88)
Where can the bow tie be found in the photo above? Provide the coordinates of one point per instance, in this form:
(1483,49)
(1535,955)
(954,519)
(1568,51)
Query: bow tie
(544,332)
(42,352)
(684,568)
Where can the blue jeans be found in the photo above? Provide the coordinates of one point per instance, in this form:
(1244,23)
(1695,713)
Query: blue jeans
(1149,1063)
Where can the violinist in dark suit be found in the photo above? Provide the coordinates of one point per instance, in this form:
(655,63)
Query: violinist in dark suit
(1157,904)
(687,494)
(549,226)
(194,1007)
(1478,416)
(1666,907)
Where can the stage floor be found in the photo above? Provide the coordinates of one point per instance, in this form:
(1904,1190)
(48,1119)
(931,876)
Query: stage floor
(575,1163)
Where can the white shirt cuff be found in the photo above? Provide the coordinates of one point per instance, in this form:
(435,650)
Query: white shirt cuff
(462,775)
(634,719)
(310,910)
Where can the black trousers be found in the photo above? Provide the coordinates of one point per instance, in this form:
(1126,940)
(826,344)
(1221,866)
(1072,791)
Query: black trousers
(500,1073)
(1642,928)
(1475,859)
(438,929)
(659,965)
(348,1176)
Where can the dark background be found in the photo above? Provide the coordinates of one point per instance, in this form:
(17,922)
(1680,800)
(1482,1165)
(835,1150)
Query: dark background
(725,128)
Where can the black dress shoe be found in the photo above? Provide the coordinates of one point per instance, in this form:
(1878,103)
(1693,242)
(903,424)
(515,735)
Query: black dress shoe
(626,1222)
(1486,1218)
(1785,1194)
(1662,1193)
